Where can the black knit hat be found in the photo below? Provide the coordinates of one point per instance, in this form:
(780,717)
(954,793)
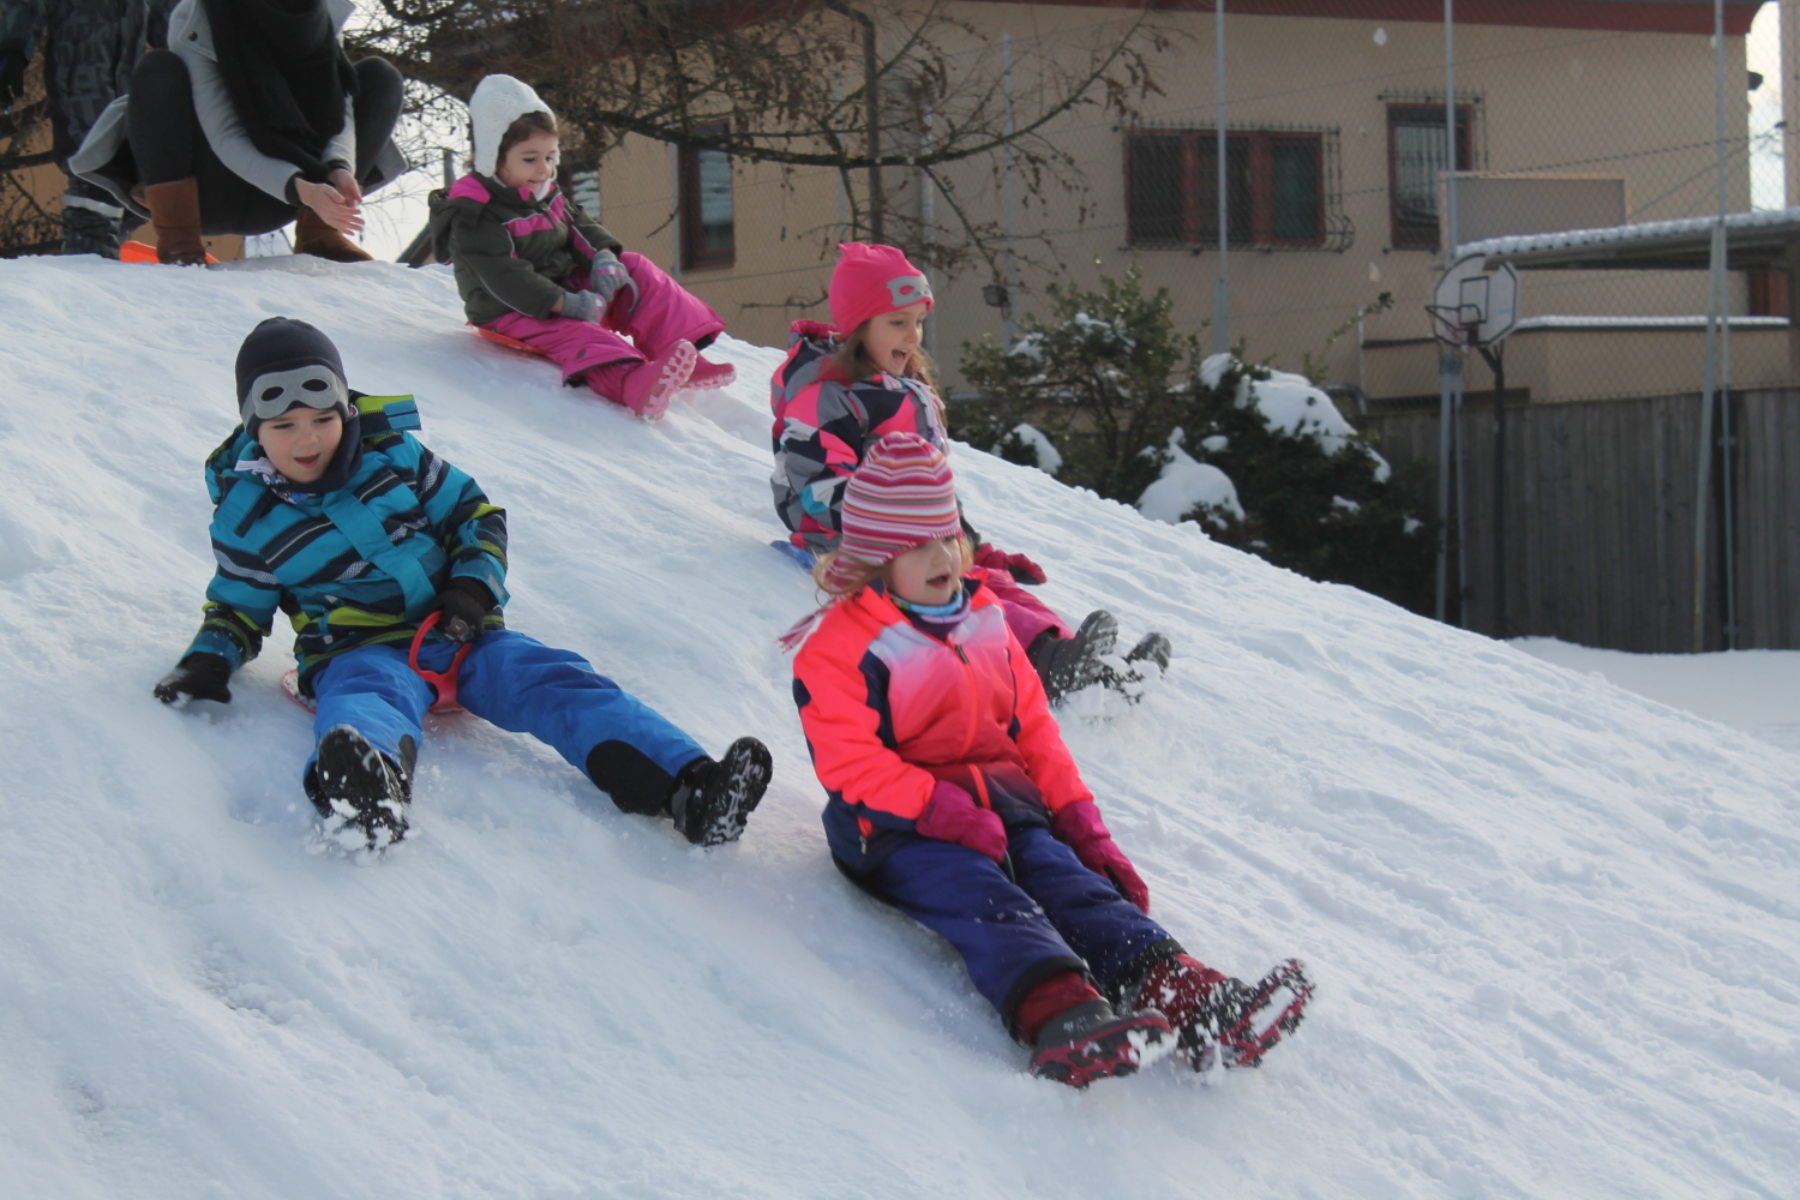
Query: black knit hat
(284,363)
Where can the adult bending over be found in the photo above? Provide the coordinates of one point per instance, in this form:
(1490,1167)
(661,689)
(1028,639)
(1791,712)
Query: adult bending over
(252,118)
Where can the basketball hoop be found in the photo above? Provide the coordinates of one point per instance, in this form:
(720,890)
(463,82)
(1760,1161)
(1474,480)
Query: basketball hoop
(1454,324)
(1474,306)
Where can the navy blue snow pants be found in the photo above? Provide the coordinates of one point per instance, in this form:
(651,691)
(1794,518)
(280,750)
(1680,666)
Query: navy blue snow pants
(522,686)
(1058,917)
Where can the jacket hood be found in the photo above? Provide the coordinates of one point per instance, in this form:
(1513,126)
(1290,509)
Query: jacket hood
(499,100)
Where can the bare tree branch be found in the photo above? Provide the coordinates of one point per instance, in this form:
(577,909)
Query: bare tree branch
(781,82)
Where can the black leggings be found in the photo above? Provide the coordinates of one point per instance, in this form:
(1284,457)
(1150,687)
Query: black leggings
(168,143)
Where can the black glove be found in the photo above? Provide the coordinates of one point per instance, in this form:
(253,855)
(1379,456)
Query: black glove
(12,77)
(465,603)
(200,675)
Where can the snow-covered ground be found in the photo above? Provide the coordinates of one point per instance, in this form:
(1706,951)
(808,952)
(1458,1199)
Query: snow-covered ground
(1555,924)
(1757,691)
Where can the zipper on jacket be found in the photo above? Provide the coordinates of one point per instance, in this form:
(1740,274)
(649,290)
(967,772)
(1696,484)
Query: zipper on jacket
(974,698)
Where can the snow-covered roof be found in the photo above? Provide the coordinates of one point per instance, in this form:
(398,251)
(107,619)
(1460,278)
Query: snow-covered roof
(1657,245)
(1576,321)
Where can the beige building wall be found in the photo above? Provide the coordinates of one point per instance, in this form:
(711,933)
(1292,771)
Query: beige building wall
(1639,105)
(1593,363)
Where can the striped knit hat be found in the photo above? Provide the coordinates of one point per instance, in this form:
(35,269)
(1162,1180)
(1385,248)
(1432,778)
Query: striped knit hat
(902,495)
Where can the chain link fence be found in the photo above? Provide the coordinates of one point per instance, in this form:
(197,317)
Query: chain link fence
(1336,145)
(1332,195)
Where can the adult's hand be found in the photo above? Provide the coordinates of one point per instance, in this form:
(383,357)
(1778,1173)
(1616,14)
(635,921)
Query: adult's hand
(346,185)
(343,215)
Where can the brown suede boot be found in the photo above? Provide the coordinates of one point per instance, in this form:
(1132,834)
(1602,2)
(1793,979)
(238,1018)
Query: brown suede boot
(313,236)
(175,215)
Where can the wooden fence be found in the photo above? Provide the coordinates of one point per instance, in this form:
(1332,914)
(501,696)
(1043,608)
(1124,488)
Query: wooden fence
(1599,518)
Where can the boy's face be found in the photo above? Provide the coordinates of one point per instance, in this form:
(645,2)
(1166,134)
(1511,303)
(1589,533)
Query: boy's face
(929,573)
(532,162)
(893,338)
(300,442)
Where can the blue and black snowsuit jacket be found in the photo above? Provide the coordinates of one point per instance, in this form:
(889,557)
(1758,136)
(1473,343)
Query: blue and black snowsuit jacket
(359,565)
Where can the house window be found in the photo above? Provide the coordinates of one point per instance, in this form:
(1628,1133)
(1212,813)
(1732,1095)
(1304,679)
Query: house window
(1274,188)
(708,224)
(1415,160)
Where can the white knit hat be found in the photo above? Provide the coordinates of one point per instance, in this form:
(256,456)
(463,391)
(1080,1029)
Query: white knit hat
(499,100)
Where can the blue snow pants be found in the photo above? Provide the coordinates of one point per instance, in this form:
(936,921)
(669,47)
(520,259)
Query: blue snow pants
(1058,917)
(629,749)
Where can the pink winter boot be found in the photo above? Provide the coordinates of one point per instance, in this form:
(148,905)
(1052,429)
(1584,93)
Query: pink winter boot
(645,388)
(1077,1037)
(709,374)
(1221,1021)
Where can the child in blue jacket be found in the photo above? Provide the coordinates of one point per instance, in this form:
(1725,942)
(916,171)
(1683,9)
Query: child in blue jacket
(326,508)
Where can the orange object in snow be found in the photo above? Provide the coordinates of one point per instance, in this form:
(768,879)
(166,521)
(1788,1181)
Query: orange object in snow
(511,343)
(144,252)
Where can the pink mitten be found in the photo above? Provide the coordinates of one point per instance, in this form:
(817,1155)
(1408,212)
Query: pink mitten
(951,815)
(1021,568)
(1080,828)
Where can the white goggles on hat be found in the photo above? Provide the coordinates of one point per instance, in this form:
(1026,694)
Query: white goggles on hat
(273,393)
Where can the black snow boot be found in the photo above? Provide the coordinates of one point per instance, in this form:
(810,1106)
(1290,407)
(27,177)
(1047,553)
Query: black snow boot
(1152,650)
(712,801)
(1069,664)
(359,791)
(1093,1041)
(88,232)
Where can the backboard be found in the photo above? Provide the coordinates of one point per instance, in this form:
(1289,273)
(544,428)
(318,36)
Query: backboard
(1473,306)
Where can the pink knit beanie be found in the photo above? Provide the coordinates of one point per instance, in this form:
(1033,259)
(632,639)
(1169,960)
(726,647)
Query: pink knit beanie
(871,280)
(901,496)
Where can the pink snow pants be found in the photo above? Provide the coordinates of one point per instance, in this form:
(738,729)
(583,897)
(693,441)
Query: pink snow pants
(666,312)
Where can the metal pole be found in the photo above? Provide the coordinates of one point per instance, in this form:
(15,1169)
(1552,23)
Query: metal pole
(1221,339)
(1449,359)
(843,177)
(1496,359)
(871,86)
(1457,382)
(1011,199)
(1714,294)
(1724,318)
(872,107)
(928,224)
(675,225)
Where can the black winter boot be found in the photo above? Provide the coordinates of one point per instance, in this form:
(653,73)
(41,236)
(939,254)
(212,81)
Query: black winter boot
(712,801)
(359,790)
(1093,1041)
(1069,664)
(88,232)
(1153,649)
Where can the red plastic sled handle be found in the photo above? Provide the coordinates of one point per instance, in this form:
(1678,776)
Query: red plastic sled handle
(444,682)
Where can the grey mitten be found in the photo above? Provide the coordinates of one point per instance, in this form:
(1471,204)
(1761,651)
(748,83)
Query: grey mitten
(606,275)
(580,306)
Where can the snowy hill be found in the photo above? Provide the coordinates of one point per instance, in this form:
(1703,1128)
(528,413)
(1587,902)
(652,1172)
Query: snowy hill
(1556,926)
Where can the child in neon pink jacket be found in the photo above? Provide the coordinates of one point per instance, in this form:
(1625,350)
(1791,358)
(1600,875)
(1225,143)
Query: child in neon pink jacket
(952,797)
